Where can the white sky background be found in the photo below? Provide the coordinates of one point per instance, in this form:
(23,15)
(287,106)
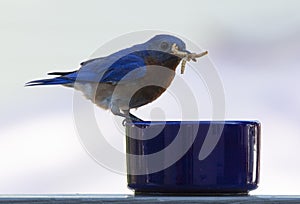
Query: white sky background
(254,45)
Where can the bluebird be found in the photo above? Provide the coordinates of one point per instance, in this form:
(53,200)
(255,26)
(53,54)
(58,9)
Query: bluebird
(129,78)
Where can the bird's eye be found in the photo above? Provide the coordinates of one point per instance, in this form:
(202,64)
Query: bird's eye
(164,45)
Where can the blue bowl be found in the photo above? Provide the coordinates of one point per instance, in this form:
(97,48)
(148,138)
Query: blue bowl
(193,157)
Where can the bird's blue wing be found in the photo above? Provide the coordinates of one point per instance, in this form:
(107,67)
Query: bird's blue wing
(127,68)
(111,69)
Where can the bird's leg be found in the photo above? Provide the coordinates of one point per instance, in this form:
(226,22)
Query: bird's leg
(116,111)
(126,114)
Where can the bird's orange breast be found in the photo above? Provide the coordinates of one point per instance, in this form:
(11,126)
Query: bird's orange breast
(139,92)
(158,78)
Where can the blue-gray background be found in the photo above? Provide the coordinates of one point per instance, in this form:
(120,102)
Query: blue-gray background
(254,45)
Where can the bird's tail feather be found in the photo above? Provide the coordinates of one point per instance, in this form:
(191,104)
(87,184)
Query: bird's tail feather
(53,81)
(61,73)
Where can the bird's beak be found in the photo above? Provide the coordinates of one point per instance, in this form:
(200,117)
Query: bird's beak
(182,54)
(186,51)
(186,55)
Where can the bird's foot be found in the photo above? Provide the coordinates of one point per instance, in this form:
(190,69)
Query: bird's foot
(133,120)
(134,123)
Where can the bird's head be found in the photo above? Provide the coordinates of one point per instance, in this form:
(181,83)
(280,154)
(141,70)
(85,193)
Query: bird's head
(166,43)
(172,45)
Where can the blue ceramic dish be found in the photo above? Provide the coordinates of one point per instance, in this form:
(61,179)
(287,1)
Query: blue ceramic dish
(209,158)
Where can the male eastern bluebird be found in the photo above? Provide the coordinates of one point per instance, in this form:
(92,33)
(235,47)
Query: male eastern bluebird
(129,78)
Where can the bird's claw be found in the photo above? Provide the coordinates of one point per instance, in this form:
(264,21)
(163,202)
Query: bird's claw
(186,56)
(125,121)
(133,122)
